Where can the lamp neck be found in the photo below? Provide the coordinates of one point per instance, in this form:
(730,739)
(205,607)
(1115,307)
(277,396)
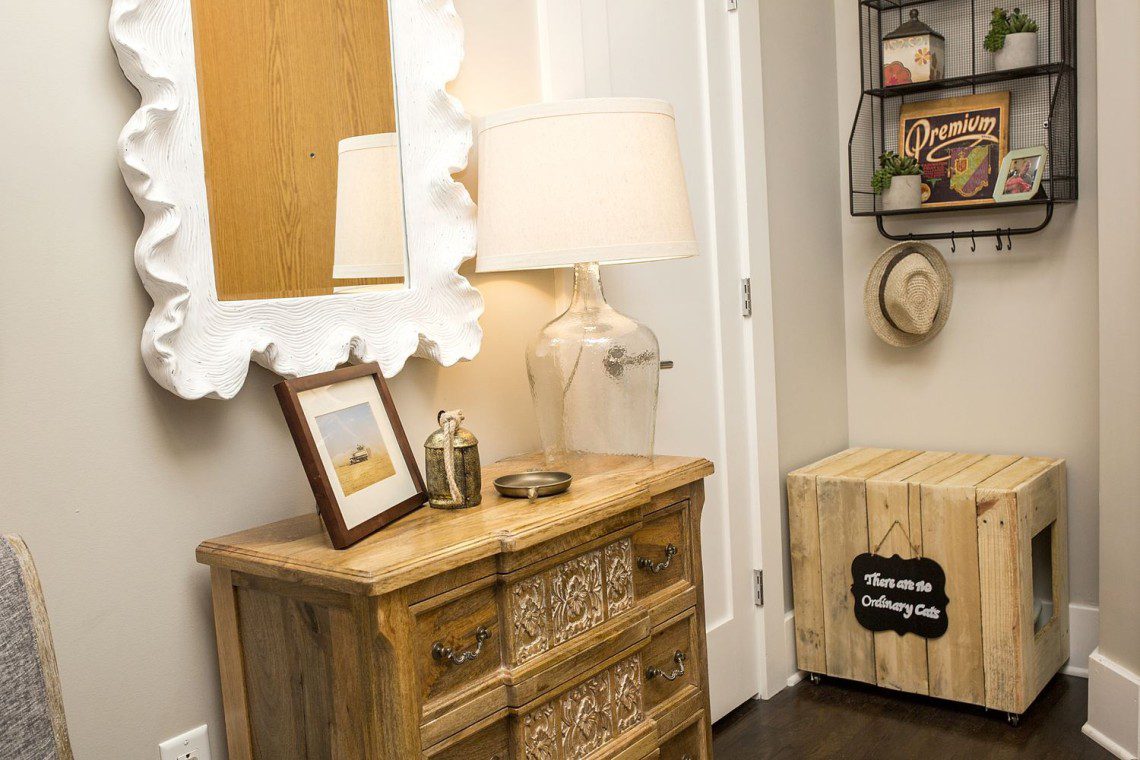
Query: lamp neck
(588,293)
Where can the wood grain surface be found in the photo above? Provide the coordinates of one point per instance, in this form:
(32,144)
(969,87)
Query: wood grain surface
(430,541)
(280,83)
(973,514)
(328,654)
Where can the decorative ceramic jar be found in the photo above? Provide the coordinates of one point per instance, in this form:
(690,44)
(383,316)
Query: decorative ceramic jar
(913,53)
(1019,51)
(905,192)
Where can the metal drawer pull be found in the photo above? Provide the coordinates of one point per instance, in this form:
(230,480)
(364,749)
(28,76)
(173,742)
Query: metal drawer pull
(440,652)
(679,658)
(658,567)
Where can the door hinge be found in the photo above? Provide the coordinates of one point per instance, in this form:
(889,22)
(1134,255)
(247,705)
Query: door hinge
(731,4)
(758,587)
(746,297)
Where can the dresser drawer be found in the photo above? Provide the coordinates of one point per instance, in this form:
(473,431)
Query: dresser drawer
(459,643)
(688,743)
(490,742)
(672,664)
(567,599)
(662,551)
(602,714)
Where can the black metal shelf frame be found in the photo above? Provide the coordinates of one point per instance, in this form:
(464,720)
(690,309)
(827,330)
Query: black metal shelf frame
(1043,102)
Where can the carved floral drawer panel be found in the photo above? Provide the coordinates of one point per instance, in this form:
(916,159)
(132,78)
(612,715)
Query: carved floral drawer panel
(587,717)
(569,599)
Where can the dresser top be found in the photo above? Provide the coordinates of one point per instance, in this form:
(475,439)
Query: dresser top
(430,541)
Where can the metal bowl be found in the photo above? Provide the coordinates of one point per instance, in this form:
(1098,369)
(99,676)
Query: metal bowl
(533,485)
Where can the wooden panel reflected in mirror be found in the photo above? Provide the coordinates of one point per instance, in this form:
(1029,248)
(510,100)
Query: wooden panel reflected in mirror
(299,130)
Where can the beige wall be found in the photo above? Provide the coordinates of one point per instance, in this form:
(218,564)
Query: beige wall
(1016,368)
(1117,23)
(805,247)
(112,480)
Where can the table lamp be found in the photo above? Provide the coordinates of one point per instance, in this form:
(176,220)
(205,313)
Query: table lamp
(584,183)
(370,241)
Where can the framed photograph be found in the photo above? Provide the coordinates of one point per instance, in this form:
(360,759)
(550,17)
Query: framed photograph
(1021,174)
(959,143)
(354,450)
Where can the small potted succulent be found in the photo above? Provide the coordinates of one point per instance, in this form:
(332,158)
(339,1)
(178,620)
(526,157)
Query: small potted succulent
(899,181)
(1012,39)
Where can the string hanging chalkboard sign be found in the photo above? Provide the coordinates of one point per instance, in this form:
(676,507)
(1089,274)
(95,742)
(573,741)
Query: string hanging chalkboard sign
(900,595)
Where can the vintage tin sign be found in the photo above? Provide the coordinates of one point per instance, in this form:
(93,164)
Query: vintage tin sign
(959,143)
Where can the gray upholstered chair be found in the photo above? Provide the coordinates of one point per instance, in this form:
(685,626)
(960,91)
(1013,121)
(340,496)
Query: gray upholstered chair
(32,725)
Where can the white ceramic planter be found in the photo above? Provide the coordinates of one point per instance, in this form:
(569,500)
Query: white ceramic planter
(1019,51)
(905,192)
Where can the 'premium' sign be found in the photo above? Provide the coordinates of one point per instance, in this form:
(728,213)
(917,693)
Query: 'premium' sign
(959,143)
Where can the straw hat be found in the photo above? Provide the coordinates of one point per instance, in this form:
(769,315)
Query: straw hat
(908,294)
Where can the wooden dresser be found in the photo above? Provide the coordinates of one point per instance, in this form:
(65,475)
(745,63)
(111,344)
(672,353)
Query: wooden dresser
(564,629)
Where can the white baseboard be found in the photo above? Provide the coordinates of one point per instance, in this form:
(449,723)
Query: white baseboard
(1114,707)
(1084,632)
(795,675)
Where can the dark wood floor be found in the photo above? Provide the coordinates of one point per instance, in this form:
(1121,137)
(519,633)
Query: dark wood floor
(841,719)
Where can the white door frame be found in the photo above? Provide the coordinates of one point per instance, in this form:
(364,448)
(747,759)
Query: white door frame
(575,59)
(776,637)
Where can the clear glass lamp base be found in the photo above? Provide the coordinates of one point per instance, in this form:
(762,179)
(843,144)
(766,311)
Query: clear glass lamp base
(594,376)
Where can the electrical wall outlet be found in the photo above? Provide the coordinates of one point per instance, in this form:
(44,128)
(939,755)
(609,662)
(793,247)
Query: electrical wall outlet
(192,745)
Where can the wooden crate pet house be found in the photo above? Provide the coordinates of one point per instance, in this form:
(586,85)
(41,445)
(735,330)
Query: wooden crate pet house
(997,528)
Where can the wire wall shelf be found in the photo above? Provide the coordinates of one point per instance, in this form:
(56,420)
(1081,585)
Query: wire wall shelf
(1042,110)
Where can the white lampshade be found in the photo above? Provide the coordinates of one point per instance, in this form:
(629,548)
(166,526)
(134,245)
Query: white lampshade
(370,239)
(580,181)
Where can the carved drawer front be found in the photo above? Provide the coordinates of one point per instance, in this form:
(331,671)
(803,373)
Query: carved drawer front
(458,642)
(587,717)
(489,743)
(672,663)
(662,553)
(567,600)
(687,744)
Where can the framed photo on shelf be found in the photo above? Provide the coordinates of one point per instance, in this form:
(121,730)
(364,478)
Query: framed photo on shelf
(959,143)
(1020,174)
(354,450)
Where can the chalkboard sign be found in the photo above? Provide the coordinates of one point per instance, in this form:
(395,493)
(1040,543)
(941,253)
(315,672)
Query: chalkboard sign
(901,595)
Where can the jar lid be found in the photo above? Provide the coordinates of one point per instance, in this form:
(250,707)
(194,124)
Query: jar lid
(913,28)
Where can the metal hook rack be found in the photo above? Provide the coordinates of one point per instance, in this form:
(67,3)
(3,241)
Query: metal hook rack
(1043,108)
(997,232)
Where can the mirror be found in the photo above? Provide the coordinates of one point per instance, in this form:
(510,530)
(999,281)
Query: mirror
(301,148)
(293,160)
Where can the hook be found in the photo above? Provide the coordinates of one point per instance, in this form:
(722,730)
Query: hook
(1009,239)
(1000,245)
(973,243)
(953,243)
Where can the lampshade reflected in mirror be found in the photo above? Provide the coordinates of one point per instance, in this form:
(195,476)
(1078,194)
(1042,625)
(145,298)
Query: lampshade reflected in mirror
(370,239)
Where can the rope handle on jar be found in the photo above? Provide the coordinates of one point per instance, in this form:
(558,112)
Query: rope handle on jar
(450,422)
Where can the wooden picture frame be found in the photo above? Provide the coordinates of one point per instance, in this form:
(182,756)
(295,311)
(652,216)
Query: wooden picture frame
(331,489)
(929,130)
